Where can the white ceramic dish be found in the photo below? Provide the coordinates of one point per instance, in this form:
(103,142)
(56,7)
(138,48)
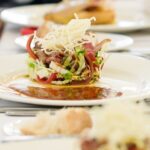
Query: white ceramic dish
(129,74)
(55,143)
(12,128)
(118,41)
(33,16)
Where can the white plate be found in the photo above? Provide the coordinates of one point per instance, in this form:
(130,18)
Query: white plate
(54,143)
(33,16)
(118,41)
(12,128)
(123,26)
(126,73)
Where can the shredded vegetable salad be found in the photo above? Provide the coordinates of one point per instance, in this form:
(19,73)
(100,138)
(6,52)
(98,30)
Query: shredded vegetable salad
(66,54)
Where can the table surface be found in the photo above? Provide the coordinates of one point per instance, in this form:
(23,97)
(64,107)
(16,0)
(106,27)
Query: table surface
(8,47)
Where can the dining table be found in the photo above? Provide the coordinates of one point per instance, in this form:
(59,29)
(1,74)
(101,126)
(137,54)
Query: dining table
(8,32)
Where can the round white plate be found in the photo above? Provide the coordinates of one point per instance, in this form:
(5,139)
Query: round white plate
(126,73)
(33,16)
(118,41)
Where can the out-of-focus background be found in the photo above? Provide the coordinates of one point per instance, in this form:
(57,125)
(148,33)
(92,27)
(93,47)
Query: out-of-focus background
(140,4)
(136,9)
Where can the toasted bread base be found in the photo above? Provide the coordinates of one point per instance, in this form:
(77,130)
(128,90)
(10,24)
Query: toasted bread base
(102,16)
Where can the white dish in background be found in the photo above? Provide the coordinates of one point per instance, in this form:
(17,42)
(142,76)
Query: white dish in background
(55,143)
(125,73)
(33,16)
(123,26)
(27,15)
(118,41)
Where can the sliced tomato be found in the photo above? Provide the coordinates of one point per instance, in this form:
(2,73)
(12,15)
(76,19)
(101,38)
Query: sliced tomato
(27,30)
(90,63)
(91,55)
(28,47)
(90,51)
(89,46)
(51,78)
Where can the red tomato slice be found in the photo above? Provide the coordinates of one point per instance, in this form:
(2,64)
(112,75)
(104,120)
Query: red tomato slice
(91,55)
(26,31)
(89,46)
(91,58)
(52,77)
(29,50)
(90,51)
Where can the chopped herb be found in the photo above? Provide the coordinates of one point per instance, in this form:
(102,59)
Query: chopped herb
(79,51)
(67,76)
(31,65)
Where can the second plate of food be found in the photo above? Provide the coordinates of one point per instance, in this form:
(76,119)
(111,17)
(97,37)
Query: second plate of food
(118,41)
(34,16)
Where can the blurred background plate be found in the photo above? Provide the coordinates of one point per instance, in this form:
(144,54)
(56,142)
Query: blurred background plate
(32,16)
(118,41)
(123,26)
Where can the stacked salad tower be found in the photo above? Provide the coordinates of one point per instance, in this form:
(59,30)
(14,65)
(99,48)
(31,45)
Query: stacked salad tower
(67,54)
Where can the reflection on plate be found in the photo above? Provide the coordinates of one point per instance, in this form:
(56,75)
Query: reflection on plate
(33,16)
(118,41)
(12,128)
(125,73)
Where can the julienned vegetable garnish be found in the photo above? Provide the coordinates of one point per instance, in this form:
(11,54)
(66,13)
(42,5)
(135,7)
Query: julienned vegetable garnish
(66,55)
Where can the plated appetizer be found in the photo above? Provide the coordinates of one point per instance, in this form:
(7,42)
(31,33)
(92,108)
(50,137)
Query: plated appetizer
(66,54)
(63,63)
(100,9)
